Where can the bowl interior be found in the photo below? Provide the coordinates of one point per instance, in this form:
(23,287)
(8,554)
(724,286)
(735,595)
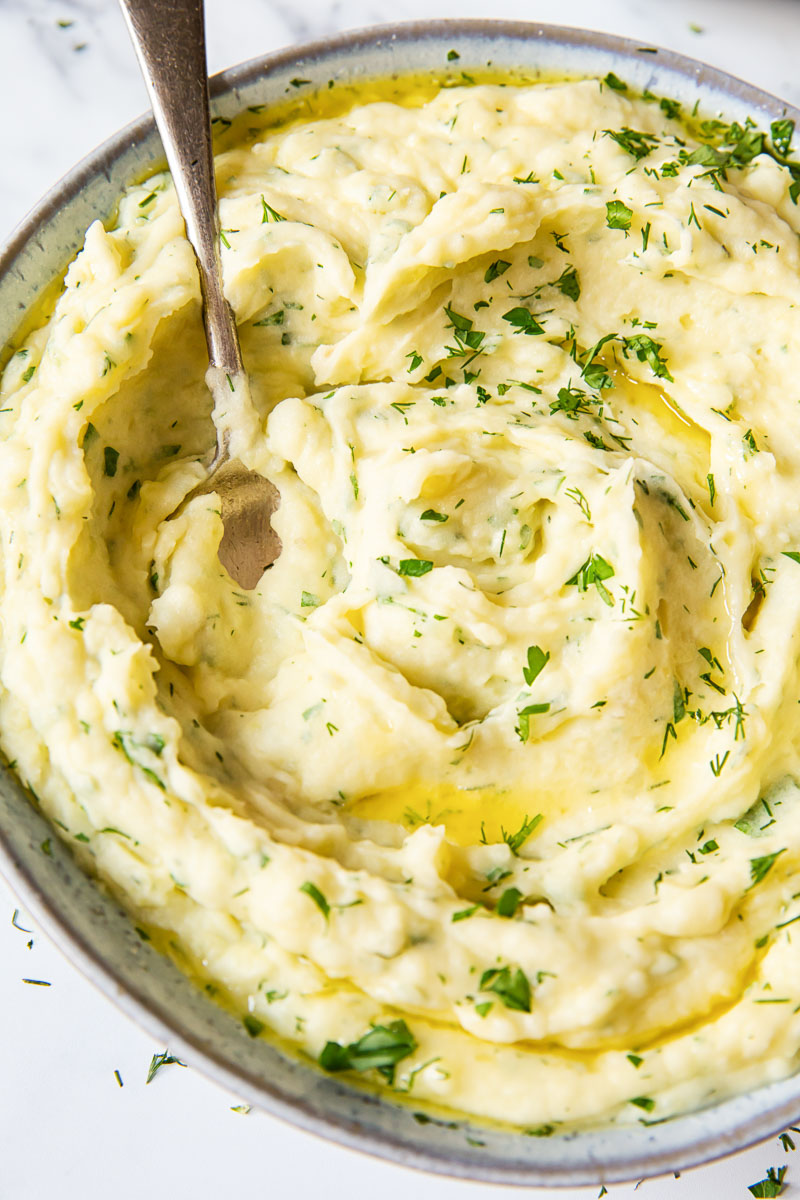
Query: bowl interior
(93,930)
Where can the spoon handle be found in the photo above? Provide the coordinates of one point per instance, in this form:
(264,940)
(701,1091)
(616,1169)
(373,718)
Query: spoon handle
(169,39)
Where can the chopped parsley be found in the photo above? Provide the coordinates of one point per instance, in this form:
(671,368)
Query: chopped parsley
(594,571)
(537,660)
(760,867)
(414,567)
(316,895)
(162,1060)
(523,728)
(618,215)
(381,1049)
(781,133)
(712,489)
(595,374)
(495,270)
(574,401)
(468,340)
(773,1185)
(647,350)
(275,318)
(637,144)
(568,283)
(268,213)
(464,913)
(110,460)
(513,988)
(515,841)
(508,903)
(523,321)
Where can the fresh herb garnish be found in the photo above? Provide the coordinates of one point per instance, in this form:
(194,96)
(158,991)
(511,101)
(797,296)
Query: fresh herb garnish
(523,728)
(773,1185)
(509,902)
(574,401)
(468,340)
(537,660)
(646,350)
(316,895)
(162,1060)
(515,841)
(110,460)
(381,1049)
(513,988)
(464,913)
(618,215)
(568,283)
(781,134)
(594,571)
(414,567)
(495,270)
(637,144)
(760,867)
(268,213)
(595,374)
(523,321)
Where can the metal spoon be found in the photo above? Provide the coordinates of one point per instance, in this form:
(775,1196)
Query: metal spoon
(169,39)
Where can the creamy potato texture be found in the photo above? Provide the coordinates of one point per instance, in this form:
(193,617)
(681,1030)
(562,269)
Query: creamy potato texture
(488,789)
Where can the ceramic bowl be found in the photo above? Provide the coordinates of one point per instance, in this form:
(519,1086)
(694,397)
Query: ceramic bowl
(90,927)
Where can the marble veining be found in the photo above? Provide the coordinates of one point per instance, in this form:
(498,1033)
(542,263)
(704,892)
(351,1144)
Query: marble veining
(68,78)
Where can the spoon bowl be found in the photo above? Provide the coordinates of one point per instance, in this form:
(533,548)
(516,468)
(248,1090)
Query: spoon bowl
(169,40)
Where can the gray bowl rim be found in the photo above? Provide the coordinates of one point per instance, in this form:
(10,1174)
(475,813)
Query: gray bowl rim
(742,1123)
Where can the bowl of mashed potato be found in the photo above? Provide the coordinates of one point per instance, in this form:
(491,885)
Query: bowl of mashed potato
(470,836)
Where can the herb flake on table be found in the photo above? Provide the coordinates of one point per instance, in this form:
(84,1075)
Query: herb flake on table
(158,1061)
(772,1185)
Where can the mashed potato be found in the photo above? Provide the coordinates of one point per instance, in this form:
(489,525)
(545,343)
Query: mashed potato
(489,789)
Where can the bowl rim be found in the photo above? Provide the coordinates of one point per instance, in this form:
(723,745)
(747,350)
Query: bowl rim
(41,904)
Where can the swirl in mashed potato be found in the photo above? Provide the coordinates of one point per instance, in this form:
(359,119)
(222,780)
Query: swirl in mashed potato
(501,754)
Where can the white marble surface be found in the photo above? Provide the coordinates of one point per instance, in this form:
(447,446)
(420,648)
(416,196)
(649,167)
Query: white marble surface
(67,80)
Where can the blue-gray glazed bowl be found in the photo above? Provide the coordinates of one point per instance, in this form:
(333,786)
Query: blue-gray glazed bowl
(85,922)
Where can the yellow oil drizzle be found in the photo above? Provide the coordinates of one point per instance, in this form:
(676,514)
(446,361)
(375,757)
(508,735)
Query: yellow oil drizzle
(631,397)
(469,815)
(410,89)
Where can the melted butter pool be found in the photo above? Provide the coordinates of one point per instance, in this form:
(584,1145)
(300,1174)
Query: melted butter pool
(469,815)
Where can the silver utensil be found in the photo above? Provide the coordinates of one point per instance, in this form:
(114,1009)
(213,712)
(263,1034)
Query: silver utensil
(169,39)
